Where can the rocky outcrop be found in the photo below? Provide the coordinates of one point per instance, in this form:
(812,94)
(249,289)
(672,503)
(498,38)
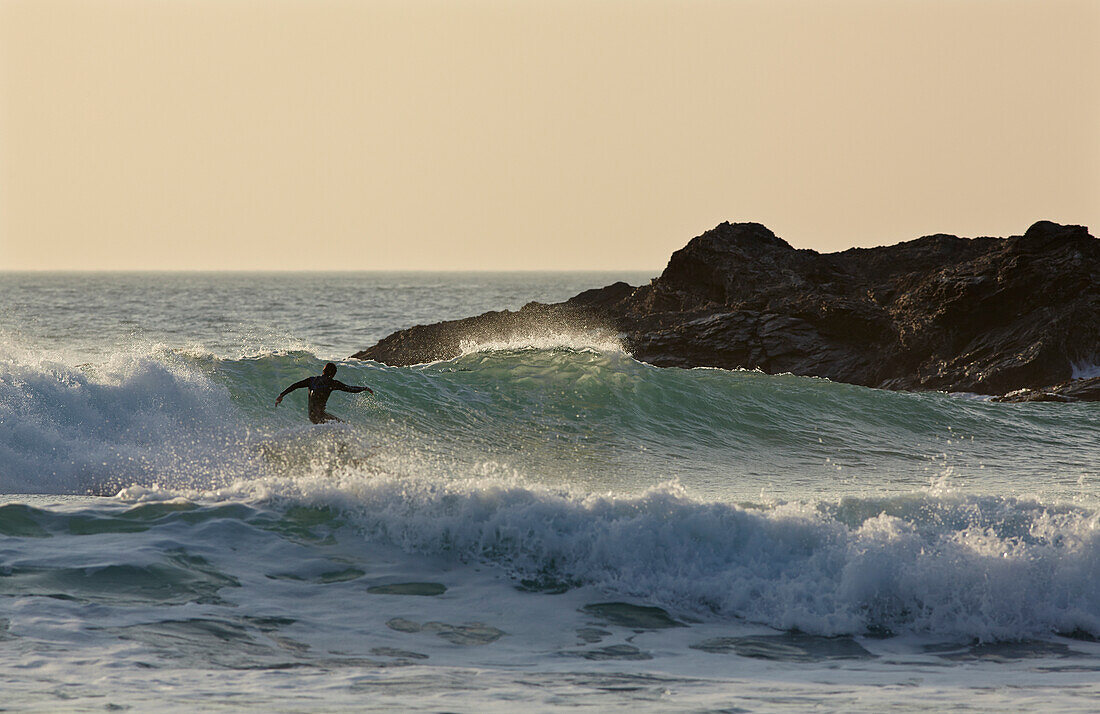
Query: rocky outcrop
(984,315)
(1078,390)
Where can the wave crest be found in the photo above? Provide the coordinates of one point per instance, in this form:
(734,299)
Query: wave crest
(548,340)
(79,429)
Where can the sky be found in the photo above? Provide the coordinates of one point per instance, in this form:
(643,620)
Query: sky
(523,135)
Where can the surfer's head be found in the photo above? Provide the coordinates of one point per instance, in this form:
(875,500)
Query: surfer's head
(329,370)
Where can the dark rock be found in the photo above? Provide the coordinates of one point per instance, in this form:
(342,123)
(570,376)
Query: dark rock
(1078,390)
(983,315)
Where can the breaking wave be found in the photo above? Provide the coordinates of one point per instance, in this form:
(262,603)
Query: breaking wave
(718,494)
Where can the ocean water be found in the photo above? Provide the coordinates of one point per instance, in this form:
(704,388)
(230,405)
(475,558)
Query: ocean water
(538,524)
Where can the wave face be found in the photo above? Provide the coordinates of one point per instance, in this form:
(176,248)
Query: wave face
(790,502)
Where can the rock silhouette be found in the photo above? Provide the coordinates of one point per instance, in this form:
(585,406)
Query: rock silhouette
(983,315)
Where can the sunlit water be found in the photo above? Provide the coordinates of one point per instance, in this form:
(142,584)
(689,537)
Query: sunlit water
(539,523)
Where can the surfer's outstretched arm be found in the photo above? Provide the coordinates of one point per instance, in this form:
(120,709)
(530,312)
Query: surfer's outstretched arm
(291,388)
(354,390)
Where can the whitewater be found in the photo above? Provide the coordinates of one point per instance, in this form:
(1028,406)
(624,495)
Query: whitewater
(539,523)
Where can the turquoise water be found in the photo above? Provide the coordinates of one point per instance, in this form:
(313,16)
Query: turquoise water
(545,521)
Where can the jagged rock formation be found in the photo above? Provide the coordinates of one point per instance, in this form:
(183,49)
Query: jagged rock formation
(984,315)
(1077,390)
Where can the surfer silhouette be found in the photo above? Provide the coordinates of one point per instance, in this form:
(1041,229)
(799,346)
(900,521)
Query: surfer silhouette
(319,390)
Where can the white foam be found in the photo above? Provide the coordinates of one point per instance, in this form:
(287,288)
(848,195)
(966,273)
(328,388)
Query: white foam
(282,637)
(1085,369)
(950,565)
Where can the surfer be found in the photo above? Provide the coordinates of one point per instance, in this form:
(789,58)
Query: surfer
(319,389)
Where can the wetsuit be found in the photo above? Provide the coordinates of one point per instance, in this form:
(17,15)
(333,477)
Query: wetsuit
(319,389)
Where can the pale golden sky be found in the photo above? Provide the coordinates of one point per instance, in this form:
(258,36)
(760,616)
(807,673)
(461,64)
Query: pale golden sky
(557,134)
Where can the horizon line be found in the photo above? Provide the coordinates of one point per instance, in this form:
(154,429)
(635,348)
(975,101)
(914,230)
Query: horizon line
(89,271)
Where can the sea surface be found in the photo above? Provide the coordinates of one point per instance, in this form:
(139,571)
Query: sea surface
(537,524)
